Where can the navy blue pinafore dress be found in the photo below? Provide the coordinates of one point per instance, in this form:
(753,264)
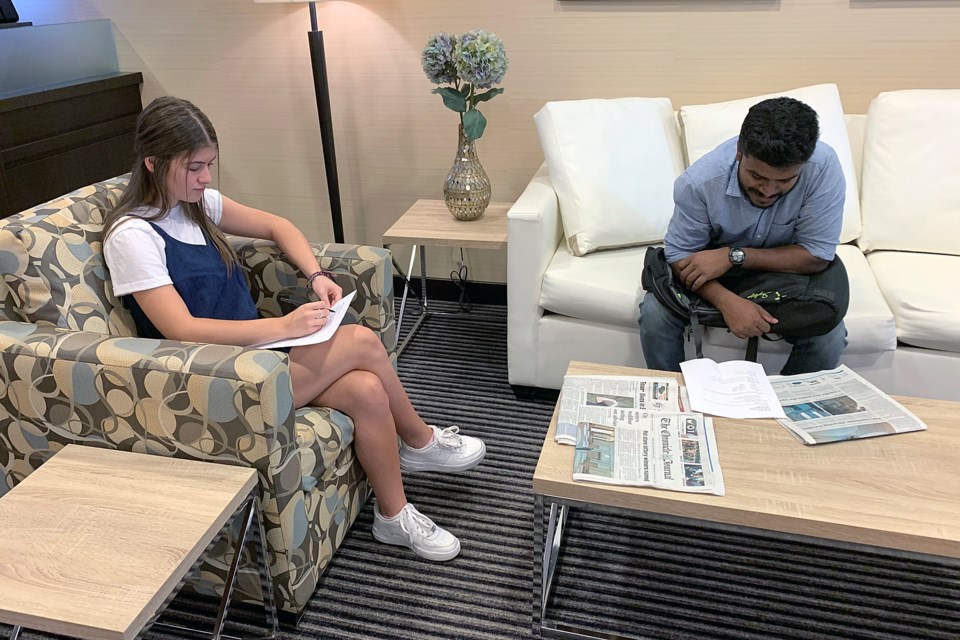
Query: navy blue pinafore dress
(200,277)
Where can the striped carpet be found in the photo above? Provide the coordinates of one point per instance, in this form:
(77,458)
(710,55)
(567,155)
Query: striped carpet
(619,575)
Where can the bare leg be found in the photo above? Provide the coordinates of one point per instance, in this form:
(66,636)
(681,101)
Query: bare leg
(314,368)
(360,395)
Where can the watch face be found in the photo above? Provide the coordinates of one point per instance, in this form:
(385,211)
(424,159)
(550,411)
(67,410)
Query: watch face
(737,256)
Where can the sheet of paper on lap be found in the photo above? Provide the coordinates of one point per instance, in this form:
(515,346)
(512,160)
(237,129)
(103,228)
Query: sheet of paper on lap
(337,312)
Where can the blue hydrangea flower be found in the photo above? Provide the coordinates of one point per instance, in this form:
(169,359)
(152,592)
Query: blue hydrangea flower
(481,58)
(437,58)
(470,65)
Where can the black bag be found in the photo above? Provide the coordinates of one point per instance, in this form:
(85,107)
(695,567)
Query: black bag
(804,305)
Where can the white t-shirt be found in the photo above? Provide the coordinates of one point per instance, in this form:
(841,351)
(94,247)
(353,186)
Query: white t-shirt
(135,254)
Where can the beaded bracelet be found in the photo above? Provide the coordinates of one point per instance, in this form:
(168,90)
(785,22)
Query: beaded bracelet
(317,274)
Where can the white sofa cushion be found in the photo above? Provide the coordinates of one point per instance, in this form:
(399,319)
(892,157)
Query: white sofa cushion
(919,289)
(603,287)
(612,163)
(869,322)
(911,172)
(707,125)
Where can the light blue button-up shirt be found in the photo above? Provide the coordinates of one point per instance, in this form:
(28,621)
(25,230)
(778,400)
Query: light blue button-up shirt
(712,211)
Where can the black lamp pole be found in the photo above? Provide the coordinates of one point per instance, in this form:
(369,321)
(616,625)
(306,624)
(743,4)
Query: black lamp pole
(319,63)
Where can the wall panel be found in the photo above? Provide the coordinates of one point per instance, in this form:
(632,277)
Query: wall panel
(247,65)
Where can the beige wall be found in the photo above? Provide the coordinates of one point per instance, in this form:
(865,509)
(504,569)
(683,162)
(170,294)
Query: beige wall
(247,65)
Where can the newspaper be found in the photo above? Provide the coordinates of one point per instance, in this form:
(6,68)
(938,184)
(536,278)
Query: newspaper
(586,398)
(676,451)
(829,406)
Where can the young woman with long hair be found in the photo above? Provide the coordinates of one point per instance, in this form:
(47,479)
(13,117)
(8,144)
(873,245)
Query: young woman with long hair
(171,265)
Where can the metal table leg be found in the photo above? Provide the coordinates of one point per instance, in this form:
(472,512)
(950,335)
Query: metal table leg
(421,299)
(15,632)
(249,513)
(551,550)
(406,285)
(423,277)
(551,540)
(231,581)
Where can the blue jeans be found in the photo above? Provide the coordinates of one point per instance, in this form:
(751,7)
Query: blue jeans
(661,337)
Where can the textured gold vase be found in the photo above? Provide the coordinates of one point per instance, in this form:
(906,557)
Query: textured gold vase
(467,189)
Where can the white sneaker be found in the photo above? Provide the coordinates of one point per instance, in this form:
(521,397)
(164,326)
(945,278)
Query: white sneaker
(412,529)
(447,451)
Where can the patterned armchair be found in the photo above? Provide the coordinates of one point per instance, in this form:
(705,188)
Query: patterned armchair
(71,371)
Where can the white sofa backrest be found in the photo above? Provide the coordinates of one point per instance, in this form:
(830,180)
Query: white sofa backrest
(911,172)
(856,124)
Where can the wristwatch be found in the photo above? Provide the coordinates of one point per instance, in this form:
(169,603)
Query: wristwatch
(737,256)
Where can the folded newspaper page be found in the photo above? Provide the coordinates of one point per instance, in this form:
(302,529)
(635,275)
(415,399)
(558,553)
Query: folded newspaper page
(584,398)
(676,451)
(835,405)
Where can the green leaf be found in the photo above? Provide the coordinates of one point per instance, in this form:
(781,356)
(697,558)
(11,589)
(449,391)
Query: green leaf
(473,124)
(486,95)
(452,99)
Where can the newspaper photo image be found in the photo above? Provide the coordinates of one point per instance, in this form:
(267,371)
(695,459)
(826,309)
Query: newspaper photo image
(675,451)
(586,398)
(838,405)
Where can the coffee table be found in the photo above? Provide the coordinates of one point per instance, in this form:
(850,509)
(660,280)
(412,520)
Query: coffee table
(96,542)
(898,494)
(430,222)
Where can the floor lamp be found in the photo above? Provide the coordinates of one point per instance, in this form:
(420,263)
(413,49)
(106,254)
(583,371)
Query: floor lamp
(319,63)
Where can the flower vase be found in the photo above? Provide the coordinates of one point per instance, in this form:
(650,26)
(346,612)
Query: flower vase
(467,189)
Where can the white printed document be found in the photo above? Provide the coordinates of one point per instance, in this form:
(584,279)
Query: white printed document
(337,312)
(735,389)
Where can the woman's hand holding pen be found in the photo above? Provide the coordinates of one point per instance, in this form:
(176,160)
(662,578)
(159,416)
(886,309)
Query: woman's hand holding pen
(307,318)
(327,290)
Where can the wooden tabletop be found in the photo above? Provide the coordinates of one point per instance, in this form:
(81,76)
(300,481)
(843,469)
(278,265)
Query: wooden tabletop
(93,541)
(429,222)
(900,492)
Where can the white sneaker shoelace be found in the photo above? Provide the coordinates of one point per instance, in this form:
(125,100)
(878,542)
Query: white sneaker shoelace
(411,519)
(449,437)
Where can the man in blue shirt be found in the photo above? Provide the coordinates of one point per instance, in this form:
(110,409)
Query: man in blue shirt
(770,200)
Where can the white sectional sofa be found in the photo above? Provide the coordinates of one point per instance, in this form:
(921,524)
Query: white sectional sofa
(578,233)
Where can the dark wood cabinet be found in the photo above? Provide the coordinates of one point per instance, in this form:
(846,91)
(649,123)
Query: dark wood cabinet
(56,139)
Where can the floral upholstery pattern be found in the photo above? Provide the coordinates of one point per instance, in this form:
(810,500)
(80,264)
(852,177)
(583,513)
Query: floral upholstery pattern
(72,371)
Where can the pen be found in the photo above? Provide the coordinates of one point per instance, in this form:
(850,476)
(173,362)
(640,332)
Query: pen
(290,300)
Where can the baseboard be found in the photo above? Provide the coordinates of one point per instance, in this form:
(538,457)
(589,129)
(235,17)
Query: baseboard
(524,392)
(443,289)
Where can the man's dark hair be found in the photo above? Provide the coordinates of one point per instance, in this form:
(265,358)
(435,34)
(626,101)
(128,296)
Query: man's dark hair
(782,132)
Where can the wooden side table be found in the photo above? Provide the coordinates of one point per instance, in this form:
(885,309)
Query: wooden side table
(895,496)
(430,222)
(96,542)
